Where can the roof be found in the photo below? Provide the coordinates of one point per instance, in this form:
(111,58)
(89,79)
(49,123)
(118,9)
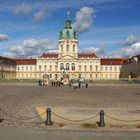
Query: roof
(112,61)
(5,60)
(45,55)
(86,55)
(133,59)
(25,61)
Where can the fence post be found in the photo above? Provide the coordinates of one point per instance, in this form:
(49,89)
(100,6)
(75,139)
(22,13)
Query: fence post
(48,117)
(101,122)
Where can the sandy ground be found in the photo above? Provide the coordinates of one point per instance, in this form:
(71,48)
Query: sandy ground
(22,101)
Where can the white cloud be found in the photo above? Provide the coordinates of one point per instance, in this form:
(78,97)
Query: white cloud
(128,51)
(31,48)
(131,39)
(98,51)
(23,9)
(84,19)
(38,17)
(4,37)
(130,47)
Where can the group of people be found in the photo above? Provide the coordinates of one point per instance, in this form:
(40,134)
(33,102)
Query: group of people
(78,85)
(59,83)
(56,83)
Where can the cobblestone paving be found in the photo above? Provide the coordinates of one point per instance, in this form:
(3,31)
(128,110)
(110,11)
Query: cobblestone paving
(21,100)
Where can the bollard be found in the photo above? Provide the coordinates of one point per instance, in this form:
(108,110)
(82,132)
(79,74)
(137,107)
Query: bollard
(48,117)
(101,122)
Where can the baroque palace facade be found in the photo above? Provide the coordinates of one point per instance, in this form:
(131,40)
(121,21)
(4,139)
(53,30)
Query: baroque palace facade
(67,62)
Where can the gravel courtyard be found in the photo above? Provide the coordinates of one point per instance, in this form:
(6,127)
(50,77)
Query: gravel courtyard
(21,100)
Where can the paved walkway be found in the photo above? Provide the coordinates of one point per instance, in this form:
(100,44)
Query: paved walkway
(47,134)
(72,118)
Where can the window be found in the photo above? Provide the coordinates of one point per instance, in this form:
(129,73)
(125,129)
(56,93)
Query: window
(34,68)
(61,66)
(50,75)
(30,68)
(96,68)
(40,68)
(45,68)
(22,68)
(67,48)
(115,68)
(61,48)
(90,68)
(101,68)
(73,66)
(80,68)
(110,68)
(73,48)
(119,68)
(55,68)
(26,68)
(106,68)
(50,68)
(85,68)
(106,76)
(110,76)
(67,66)
(18,68)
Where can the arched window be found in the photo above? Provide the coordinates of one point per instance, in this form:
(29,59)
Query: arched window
(61,48)
(61,66)
(67,48)
(73,66)
(73,48)
(67,66)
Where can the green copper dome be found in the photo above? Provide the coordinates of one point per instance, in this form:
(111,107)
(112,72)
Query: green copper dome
(68,32)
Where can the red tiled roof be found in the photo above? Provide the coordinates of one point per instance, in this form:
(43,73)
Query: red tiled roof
(86,55)
(112,61)
(25,61)
(44,55)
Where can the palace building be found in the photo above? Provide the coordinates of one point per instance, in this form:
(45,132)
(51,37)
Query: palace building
(68,62)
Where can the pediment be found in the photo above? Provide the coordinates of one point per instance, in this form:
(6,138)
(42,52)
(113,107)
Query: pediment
(67,57)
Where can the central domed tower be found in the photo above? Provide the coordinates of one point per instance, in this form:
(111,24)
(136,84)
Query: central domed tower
(68,40)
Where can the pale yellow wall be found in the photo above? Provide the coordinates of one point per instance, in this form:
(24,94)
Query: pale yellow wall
(71,43)
(110,72)
(52,67)
(26,72)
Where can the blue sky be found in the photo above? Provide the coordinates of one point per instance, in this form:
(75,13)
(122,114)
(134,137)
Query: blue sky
(109,28)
